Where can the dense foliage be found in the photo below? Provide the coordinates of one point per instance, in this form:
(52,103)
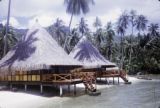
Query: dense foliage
(132,42)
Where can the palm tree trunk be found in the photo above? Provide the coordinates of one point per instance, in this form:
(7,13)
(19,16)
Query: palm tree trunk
(130,54)
(7,25)
(69,31)
(121,64)
(110,52)
(70,21)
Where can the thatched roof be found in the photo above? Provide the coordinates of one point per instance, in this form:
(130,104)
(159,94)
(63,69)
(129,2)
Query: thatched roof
(89,55)
(36,50)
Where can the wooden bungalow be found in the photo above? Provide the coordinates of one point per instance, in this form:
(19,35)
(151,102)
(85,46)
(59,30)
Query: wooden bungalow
(37,59)
(93,61)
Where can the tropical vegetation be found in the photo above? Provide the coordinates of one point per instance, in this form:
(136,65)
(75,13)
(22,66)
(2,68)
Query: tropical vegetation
(133,42)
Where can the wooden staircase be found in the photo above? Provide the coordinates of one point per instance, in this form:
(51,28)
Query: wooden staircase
(88,77)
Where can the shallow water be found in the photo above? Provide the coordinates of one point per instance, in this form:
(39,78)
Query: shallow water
(140,94)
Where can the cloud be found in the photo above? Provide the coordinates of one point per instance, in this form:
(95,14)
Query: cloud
(48,10)
(43,20)
(13,22)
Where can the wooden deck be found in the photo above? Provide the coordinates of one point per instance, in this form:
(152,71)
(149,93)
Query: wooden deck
(41,79)
(113,74)
(76,76)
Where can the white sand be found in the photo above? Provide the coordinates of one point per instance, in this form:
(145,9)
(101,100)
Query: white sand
(10,99)
(22,100)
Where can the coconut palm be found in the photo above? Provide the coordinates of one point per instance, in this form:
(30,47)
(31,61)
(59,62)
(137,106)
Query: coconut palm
(83,26)
(76,7)
(97,24)
(98,35)
(132,18)
(110,38)
(74,38)
(121,32)
(11,40)
(153,32)
(122,25)
(141,23)
(60,31)
(153,29)
(7,29)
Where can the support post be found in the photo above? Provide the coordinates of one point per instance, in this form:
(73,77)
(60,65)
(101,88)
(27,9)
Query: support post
(10,86)
(95,85)
(41,87)
(69,89)
(74,89)
(113,80)
(118,80)
(61,91)
(85,89)
(106,80)
(25,87)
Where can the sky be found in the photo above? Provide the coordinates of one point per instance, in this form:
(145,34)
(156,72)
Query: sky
(25,12)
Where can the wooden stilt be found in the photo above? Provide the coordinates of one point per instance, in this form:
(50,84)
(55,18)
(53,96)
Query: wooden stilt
(118,80)
(85,89)
(113,80)
(106,80)
(10,86)
(69,89)
(41,87)
(74,89)
(25,87)
(95,85)
(61,90)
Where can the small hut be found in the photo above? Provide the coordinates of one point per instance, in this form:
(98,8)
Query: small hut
(37,57)
(91,58)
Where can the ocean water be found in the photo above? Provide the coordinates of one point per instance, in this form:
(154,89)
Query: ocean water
(140,94)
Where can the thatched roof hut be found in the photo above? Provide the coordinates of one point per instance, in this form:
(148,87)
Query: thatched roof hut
(89,55)
(36,50)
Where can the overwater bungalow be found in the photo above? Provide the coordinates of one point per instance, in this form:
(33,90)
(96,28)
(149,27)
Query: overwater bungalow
(38,59)
(93,61)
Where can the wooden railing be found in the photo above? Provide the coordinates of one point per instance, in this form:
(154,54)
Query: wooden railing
(57,77)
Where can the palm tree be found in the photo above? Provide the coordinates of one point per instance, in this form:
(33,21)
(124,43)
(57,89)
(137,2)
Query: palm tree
(153,29)
(97,24)
(110,37)
(132,21)
(83,27)
(99,38)
(75,36)
(122,25)
(121,32)
(141,23)
(60,31)
(10,41)
(76,7)
(153,32)
(7,29)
